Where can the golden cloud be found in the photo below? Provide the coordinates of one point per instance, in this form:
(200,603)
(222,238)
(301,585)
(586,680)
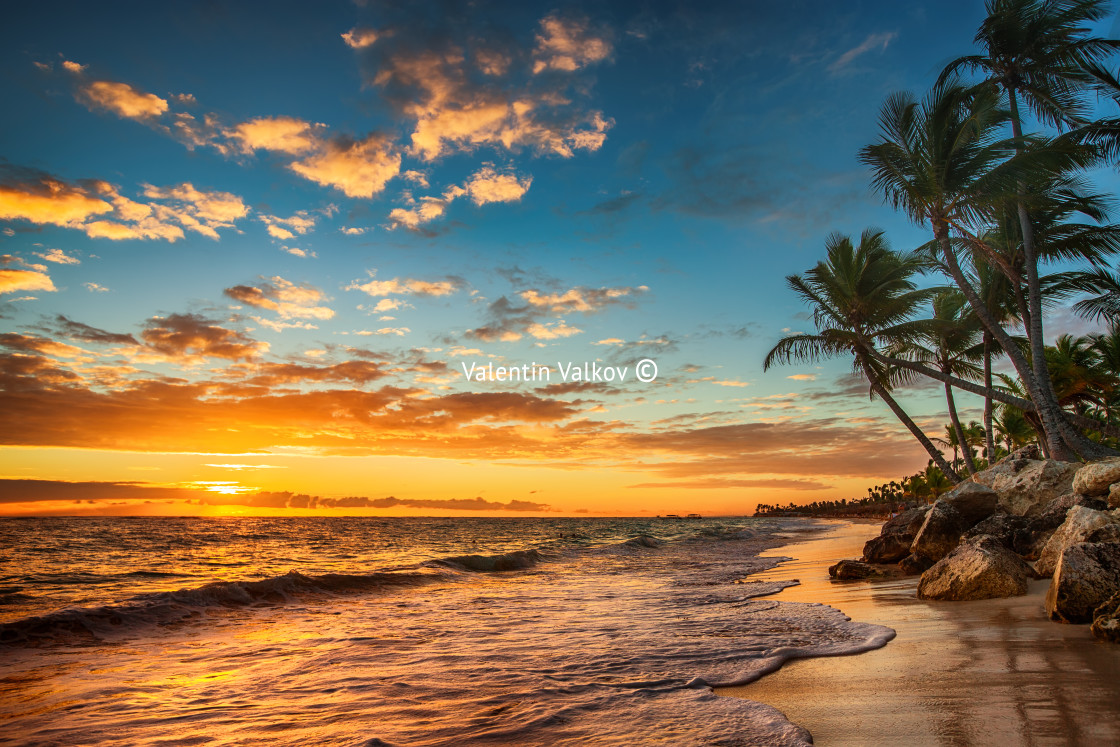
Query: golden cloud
(568,45)
(122,99)
(358,168)
(410,286)
(281,134)
(290,300)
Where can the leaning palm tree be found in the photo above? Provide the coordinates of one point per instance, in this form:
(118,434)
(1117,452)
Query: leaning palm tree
(950,340)
(861,296)
(944,163)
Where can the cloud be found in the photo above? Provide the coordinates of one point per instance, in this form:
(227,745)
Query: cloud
(803,377)
(79,331)
(280,134)
(360,38)
(288,228)
(509,322)
(122,100)
(98,209)
(58,257)
(358,168)
(552,331)
(409,286)
(289,300)
(568,45)
(20,491)
(193,336)
(484,186)
(95,288)
(24,280)
(873,41)
(586,300)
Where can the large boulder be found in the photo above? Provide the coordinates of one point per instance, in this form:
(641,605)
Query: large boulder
(1114,495)
(1053,515)
(895,538)
(847,570)
(1013,532)
(1106,620)
(980,568)
(1087,575)
(940,533)
(1025,486)
(914,565)
(1079,524)
(1095,478)
(973,501)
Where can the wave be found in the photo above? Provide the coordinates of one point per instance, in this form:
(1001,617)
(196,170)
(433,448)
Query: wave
(510,561)
(77,624)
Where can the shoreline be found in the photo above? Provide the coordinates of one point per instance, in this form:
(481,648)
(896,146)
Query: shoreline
(982,672)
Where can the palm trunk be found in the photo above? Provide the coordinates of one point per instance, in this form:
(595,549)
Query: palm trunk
(1066,443)
(966,451)
(899,413)
(989,434)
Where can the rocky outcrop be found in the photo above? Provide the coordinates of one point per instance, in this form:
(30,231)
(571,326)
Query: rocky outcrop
(940,533)
(980,568)
(1087,575)
(1013,532)
(1025,486)
(973,501)
(1042,527)
(913,565)
(847,570)
(1079,524)
(1114,495)
(1096,478)
(895,538)
(1106,620)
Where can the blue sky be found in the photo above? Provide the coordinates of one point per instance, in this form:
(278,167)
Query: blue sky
(414,186)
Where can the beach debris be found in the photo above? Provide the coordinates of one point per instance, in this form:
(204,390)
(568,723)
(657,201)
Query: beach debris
(940,532)
(1078,525)
(1106,620)
(1025,486)
(1087,575)
(1096,478)
(980,568)
(974,501)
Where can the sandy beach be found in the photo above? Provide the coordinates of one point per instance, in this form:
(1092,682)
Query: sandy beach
(957,673)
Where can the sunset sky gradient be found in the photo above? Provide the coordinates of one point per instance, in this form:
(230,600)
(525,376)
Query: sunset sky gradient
(246,252)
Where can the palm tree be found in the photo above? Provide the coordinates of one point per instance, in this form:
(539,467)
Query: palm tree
(859,295)
(1037,51)
(944,163)
(1013,427)
(950,340)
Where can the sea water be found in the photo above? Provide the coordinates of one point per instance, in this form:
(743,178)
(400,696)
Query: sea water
(398,631)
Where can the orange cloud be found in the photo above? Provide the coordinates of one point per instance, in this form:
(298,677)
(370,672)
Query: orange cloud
(360,38)
(281,134)
(568,45)
(24,280)
(122,99)
(358,168)
(410,286)
(487,185)
(290,300)
(191,336)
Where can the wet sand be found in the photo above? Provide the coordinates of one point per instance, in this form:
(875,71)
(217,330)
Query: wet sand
(991,672)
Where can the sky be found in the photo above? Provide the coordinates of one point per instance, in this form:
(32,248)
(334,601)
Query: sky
(274,262)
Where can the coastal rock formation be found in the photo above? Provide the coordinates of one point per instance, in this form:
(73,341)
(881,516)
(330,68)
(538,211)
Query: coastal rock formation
(940,533)
(1114,495)
(1079,524)
(1042,527)
(1013,532)
(1096,478)
(1025,486)
(981,568)
(1106,620)
(895,538)
(973,501)
(913,565)
(847,570)
(1087,575)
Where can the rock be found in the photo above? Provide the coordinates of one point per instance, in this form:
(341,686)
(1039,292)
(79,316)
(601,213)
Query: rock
(940,533)
(1095,477)
(1013,532)
(1087,575)
(972,500)
(981,568)
(895,538)
(1053,516)
(1114,495)
(856,569)
(1107,533)
(912,565)
(1106,620)
(1079,524)
(1025,486)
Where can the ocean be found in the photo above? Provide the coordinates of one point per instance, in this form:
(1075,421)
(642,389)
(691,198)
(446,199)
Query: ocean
(399,631)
